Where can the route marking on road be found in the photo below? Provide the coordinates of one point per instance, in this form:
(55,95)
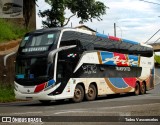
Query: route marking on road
(91,110)
(20,113)
(125,114)
(64,112)
(95,112)
(126,106)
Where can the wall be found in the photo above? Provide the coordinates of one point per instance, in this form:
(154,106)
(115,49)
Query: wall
(7,73)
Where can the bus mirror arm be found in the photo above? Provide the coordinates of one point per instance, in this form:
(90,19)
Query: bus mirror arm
(53,52)
(7,56)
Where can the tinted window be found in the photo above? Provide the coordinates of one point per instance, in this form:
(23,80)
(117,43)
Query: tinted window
(38,39)
(92,42)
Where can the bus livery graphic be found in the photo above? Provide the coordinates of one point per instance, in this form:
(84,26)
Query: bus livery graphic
(110,58)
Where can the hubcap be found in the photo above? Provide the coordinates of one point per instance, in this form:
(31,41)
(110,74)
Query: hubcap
(77,93)
(90,92)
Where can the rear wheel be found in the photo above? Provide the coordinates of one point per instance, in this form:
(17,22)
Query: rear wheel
(137,89)
(78,94)
(92,93)
(143,88)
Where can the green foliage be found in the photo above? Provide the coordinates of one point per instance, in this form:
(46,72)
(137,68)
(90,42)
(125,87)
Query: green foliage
(6,94)
(86,10)
(157,59)
(8,31)
(55,16)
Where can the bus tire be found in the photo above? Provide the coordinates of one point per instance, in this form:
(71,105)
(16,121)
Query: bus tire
(45,101)
(78,94)
(92,93)
(143,88)
(137,89)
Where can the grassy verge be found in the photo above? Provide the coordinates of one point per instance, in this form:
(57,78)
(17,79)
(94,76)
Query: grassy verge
(7,94)
(157,59)
(9,31)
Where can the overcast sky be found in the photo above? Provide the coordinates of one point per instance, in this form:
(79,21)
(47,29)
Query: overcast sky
(136,20)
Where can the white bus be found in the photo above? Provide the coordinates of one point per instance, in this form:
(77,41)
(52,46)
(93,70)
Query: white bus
(70,63)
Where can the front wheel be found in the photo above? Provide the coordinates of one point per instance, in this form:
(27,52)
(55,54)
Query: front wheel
(92,93)
(78,94)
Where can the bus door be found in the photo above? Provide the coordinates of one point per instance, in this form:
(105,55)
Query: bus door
(66,63)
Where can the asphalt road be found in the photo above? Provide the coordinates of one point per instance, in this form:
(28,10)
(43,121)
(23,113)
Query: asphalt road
(120,107)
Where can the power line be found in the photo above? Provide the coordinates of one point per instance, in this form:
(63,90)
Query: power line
(152,36)
(150,2)
(159,29)
(157,40)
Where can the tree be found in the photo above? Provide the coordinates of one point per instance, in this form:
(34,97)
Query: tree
(86,10)
(28,8)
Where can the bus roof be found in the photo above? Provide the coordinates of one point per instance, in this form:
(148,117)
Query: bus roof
(91,33)
(116,38)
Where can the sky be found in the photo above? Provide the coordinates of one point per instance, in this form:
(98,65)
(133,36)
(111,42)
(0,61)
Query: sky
(135,19)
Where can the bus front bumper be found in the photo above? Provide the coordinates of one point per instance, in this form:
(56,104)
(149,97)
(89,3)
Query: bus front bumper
(37,96)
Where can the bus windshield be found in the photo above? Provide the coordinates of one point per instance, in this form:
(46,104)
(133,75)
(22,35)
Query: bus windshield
(38,41)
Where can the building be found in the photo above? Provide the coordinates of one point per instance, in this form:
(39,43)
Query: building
(84,27)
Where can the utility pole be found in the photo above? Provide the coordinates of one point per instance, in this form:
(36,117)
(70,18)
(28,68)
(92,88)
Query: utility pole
(115,29)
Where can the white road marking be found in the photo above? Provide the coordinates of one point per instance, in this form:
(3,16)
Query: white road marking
(96,110)
(90,110)
(21,113)
(64,112)
(125,114)
(126,106)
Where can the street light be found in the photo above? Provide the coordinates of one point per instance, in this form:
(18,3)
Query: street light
(115,30)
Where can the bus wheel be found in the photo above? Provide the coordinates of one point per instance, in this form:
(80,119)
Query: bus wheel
(92,92)
(45,101)
(137,89)
(143,88)
(78,94)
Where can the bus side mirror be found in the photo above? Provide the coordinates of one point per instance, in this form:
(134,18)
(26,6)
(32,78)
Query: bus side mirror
(53,52)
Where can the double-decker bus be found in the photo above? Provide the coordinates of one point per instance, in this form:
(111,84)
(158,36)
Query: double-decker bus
(70,63)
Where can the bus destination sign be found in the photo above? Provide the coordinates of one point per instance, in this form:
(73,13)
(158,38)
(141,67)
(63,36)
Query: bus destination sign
(35,49)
